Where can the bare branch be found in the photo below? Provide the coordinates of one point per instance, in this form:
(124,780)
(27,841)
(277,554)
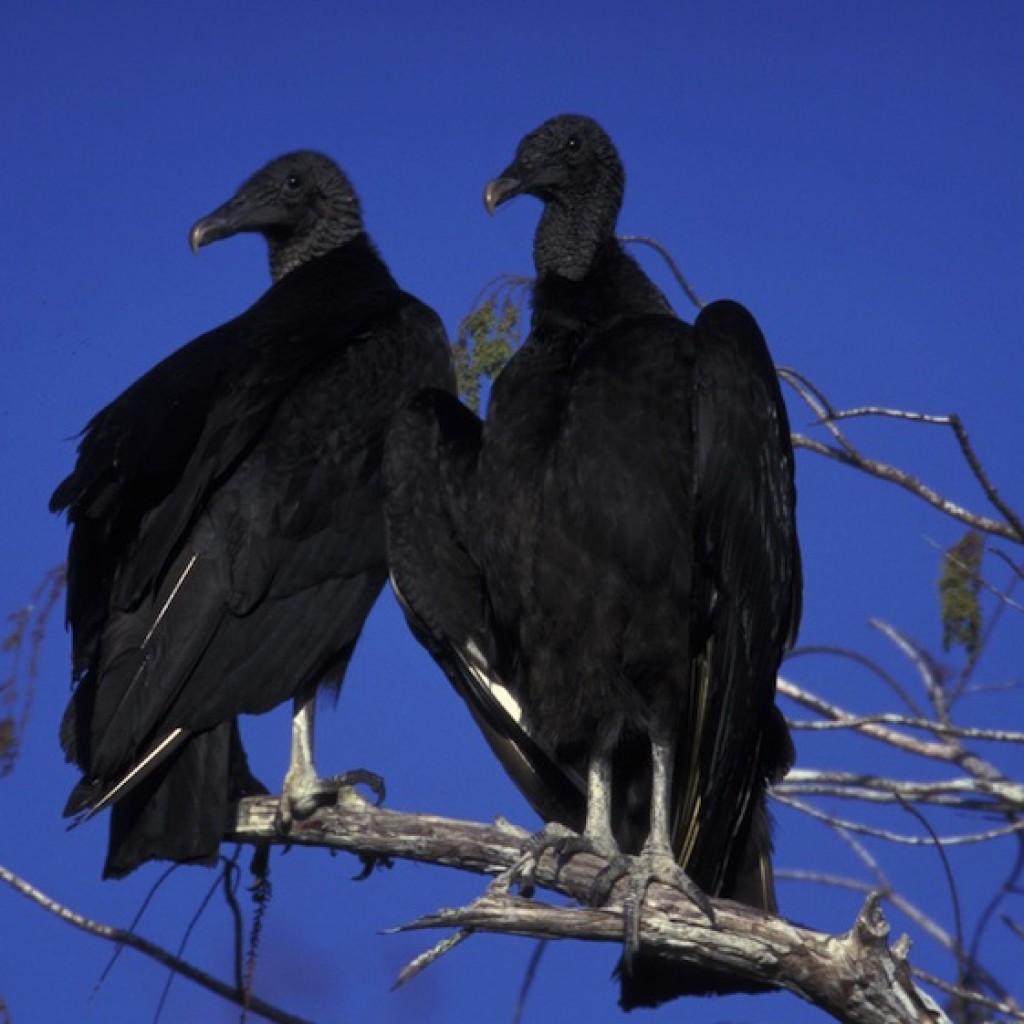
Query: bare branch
(966,732)
(861,659)
(424,960)
(922,661)
(962,793)
(670,260)
(846,453)
(1009,1008)
(874,730)
(823,969)
(883,471)
(918,916)
(982,477)
(147,948)
(882,411)
(902,838)
(856,978)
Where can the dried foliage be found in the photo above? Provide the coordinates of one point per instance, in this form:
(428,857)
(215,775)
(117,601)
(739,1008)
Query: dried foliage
(488,335)
(959,592)
(21,646)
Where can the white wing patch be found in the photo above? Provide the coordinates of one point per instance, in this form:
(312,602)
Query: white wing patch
(474,660)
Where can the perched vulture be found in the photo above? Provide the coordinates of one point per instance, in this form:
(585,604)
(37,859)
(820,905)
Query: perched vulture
(227,536)
(607,568)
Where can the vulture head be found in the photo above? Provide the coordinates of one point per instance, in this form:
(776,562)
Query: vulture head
(571,165)
(302,203)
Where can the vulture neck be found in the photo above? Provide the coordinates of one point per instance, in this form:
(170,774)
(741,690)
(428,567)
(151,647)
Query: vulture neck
(572,229)
(290,252)
(611,289)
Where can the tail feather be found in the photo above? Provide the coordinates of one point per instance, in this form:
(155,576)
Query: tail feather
(179,811)
(90,797)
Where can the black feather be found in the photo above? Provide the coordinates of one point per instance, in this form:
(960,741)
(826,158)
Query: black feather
(228,534)
(632,544)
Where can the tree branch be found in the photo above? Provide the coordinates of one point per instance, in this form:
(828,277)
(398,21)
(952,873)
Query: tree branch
(147,948)
(857,977)
(846,453)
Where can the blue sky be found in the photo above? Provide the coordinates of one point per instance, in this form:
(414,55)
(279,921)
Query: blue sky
(851,172)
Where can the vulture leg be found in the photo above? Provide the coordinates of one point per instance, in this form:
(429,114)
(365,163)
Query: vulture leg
(598,828)
(656,862)
(597,837)
(304,791)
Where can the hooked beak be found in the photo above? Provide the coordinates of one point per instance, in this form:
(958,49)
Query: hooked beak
(232,217)
(499,191)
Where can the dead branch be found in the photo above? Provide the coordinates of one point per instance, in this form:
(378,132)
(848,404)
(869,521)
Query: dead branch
(677,273)
(127,938)
(857,978)
(845,452)
(963,794)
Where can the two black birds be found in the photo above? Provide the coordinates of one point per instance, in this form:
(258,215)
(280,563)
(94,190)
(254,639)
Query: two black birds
(606,567)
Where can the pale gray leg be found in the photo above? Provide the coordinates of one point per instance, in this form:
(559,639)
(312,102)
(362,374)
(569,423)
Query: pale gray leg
(598,827)
(597,837)
(659,837)
(297,794)
(303,790)
(657,861)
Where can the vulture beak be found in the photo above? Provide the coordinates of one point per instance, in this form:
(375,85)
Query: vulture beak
(234,216)
(501,190)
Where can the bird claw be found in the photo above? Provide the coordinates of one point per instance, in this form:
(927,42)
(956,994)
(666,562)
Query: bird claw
(606,849)
(346,784)
(605,880)
(552,836)
(303,798)
(656,866)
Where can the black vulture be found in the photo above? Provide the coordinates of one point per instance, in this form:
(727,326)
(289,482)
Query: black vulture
(607,568)
(227,523)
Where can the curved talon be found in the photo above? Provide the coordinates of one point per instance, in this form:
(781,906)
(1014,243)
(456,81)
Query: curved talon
(631,910)
(301,800)
(285,816)
(551,837)
(606,879)
(360,777)
(656,866)
(565,848)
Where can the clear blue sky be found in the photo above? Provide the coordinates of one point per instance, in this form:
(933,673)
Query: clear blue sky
(851,172)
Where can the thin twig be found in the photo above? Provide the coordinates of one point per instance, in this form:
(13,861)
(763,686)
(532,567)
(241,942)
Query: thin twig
(909,744)
(922,661)
(1010,1009)
(136,920)
(860,659)
(954,895)
(962,793)
(893,475)
(902,838)
(529,976)
(856,722)
(189,929)
(847,453)
(670,260)
(425,959)
(147,948)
